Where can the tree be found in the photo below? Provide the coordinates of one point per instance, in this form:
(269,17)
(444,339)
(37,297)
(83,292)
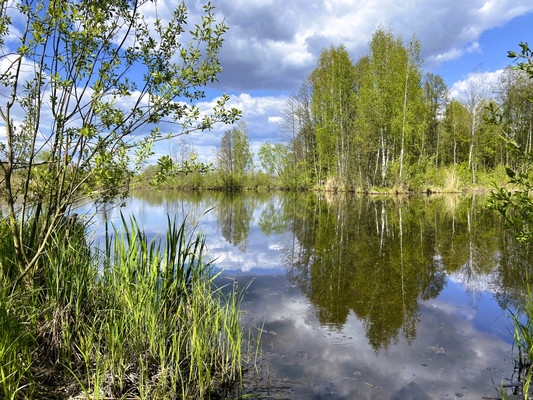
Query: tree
(389,104)
(436,97)
(291,128)
(332,108)
(298,130)
(182,150)
(234,158)
(517,206)
(412,97)
(514,89)
(88,89)
(273,157)
(475,101)
(455,133)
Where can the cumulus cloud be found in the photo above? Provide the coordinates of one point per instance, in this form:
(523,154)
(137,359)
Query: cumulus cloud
(274,45)
(490,79)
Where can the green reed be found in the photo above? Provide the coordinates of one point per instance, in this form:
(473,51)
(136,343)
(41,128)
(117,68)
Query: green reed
(15,359)
(523,342)
(15,340)
(147,322)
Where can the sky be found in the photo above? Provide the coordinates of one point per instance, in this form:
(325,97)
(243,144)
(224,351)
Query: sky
(272,46)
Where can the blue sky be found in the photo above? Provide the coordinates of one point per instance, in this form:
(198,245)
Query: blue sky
(494,44)
(273,45)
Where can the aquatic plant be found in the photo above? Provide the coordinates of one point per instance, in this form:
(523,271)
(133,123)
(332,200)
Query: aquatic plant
(147,322)
(523,343)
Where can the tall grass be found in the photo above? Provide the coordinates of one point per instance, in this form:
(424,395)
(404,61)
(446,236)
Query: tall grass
(523,342)
(145,323)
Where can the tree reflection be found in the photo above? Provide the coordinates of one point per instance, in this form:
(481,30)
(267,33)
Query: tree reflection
(375,258)
(234,213)
(273,220)
(379,257)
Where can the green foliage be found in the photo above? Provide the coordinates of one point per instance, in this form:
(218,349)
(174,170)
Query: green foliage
(234,157)
(273,158)
(167,169)
(523,341)
(90,89)
(516,206)
(15,349)
(376,257)
(379,123)
(148,322)
(332,107)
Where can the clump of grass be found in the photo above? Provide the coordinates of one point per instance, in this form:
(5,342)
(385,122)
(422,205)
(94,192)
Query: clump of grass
(147,322)
(15,358)
(523,342)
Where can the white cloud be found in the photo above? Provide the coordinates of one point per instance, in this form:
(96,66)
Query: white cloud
(260,113)
(268,49)
(272,46)
(459,88)
(275,120)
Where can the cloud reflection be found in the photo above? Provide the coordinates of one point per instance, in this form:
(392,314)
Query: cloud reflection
(449,357)
(372,320)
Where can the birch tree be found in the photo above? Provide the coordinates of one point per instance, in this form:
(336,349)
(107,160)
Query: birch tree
(475,100)
(234,157)
(436,98)
(388,101)
(514,89)
(332,103)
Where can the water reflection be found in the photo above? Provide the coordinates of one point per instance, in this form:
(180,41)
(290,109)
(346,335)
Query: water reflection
(379,257)
(450,358)
(234,213)
(376,257)
(423,281)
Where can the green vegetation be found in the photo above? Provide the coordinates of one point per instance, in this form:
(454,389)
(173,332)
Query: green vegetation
(381,125)
(374,257)
(379,257)
(234,158)
(88,89)
(517,206)
(145,323)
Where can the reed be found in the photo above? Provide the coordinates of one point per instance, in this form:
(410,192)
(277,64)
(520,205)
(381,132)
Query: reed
(523,342)
(146,322)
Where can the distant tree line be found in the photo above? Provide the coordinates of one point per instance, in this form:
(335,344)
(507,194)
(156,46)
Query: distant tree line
(382,123)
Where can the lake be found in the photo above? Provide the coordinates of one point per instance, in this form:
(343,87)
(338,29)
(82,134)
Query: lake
(361,297)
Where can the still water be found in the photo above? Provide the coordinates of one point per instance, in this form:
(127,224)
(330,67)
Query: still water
(361,297)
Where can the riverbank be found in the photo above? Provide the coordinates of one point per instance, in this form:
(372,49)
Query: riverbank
(143,322)
(447,180)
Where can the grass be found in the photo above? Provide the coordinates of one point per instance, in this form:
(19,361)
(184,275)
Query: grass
(145,323)
(523,342)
